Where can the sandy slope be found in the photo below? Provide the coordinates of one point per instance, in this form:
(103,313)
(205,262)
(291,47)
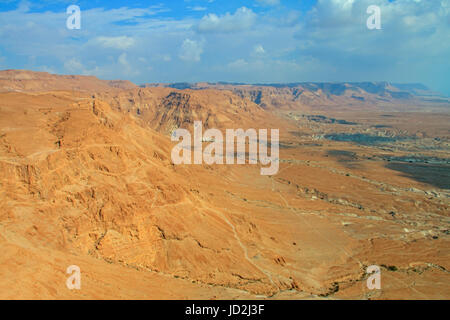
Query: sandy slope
(87,180)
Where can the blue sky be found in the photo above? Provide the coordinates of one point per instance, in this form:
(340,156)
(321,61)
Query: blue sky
(251,41)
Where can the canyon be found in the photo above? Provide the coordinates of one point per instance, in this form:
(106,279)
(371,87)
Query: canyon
(87,180)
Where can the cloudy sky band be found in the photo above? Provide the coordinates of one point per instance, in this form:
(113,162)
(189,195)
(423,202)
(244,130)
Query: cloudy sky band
(239,41)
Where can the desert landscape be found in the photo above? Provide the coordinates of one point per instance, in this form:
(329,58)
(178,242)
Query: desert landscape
(87,180)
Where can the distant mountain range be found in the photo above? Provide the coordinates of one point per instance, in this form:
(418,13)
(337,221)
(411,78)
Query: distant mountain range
(331,88)
(269,95)
(24,80)
(322,93)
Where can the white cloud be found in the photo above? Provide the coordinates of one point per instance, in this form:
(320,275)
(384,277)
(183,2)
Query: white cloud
(126,67)
(238,64)
(259,49)
(413,42)
(123,60)
(74,66)
(191,50)
(242,19)
(329,43)
(268,2)
(122,42)
(197,8)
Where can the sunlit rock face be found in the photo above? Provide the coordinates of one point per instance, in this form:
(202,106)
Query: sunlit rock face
(87,180)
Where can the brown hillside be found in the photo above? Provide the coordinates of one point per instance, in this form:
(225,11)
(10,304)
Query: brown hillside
(87,179)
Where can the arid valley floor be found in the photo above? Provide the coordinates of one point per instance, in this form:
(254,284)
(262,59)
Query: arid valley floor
(86,179)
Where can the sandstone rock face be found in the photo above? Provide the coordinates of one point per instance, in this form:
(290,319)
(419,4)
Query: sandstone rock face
(87,179)
(303,96)
(164,109)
